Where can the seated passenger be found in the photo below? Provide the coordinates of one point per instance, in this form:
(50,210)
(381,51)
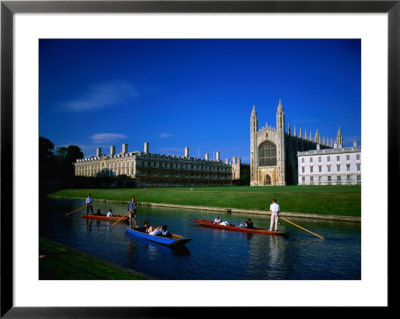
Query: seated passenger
(243,225)
(150,229)
(145,227)
(109,214)
(165,232)
(156,231)
(225,223)
(249,224)
(98,213)
(217,220)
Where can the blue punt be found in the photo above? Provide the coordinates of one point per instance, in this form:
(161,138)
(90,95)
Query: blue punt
(173,241)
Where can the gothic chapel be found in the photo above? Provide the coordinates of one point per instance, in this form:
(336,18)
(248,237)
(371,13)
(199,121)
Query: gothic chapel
(273,152)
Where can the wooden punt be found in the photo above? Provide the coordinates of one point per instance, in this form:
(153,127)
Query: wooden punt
(233,227)
(104,217)
(173,241)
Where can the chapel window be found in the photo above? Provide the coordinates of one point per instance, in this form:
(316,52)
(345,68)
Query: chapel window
(267,154)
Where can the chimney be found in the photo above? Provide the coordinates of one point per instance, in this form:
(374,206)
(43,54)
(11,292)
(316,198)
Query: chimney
(98,152)
(124,148)
(217,155)
(187,152)
(318,146)
(207,157)
(226,160)
(238,160)
(355,144)
(146,147)
(234,160)
(112,151)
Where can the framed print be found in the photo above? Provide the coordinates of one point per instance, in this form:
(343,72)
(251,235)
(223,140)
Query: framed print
(65,61)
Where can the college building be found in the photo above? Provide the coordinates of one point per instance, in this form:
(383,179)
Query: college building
(273,151)
(331,166)
(157,170)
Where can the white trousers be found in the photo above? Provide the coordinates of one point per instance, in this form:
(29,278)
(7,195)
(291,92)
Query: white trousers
(274,220)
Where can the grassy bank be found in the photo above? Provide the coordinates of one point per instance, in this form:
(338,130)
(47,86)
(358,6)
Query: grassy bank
(57,262)
(339,200)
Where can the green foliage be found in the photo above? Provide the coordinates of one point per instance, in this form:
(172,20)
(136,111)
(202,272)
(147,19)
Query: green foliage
(66,156)
(59,164)
(47,159)
(59,262)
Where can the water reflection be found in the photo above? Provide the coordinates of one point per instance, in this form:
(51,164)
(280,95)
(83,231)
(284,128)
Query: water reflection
(273,250)
(212,253)
(249,236)
(132,249)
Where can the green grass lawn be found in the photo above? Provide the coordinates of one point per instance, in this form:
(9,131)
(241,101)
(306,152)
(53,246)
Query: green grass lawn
(344,200)
(57,262)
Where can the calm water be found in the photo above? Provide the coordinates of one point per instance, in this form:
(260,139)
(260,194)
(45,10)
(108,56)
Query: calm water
(212,253)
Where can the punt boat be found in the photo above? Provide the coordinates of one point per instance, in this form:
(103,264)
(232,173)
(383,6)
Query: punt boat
(173,241)
(233,227)
(104,217)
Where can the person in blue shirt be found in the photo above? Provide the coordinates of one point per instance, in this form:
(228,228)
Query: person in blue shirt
(247,224)
(131,209)
(243,225)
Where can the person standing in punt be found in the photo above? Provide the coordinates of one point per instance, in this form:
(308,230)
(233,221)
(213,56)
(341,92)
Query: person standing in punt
(89,204)
(275,210)
(131,208)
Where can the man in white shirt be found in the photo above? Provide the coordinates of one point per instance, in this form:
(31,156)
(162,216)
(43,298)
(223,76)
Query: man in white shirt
(275,210)
(109,214)
(89,203)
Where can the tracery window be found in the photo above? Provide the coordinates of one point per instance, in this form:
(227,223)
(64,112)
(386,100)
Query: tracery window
(267,154)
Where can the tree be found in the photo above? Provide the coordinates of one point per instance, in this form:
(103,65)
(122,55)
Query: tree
(47,159)
(66,156)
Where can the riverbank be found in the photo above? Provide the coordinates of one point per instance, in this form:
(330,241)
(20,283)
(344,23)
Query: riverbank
(232,210)
(59,262)
(336,200)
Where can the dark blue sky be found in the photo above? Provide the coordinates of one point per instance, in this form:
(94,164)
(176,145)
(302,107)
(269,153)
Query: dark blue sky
(195,93)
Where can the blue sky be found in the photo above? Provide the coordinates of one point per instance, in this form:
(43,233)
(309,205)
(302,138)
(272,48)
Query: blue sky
(194,93)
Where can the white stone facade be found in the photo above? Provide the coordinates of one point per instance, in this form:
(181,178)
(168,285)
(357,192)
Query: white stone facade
(338,166)
(156,169)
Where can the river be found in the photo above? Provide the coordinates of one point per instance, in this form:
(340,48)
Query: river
(212,253)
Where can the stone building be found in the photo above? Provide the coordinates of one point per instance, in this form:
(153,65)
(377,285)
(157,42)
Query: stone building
(150,169)
(273,152)
(330,167)
(240,171)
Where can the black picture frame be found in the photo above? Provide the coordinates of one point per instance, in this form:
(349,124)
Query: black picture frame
(9,8)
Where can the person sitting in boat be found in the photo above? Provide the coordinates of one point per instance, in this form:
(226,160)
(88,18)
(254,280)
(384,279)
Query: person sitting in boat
(150,229)
(217,220)
(243,225)
(109,214)
(145,227)
(98,213)
(156,231)
(165,232)
(225,223)
(249,223)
